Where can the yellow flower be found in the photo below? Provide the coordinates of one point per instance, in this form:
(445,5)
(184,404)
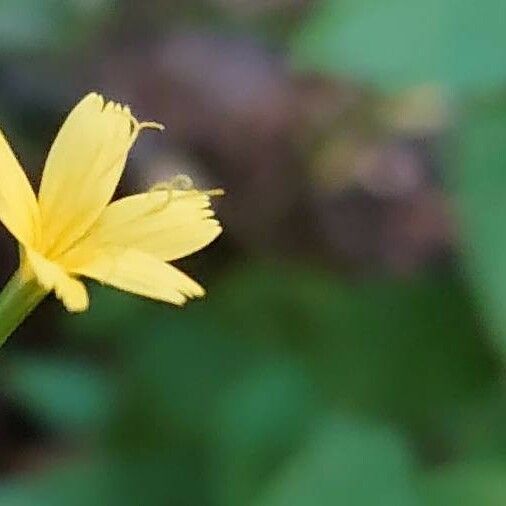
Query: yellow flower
(71,229)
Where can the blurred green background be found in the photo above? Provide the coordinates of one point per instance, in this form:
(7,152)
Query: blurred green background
(352,345)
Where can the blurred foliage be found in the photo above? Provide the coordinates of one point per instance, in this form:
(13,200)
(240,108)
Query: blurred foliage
(480,185)
(336,464)
(32,26)
(466,485)
(248,397)
(401,43)
(66,394)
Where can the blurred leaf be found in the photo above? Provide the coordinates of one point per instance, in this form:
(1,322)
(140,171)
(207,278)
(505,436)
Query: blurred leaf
(480,484)
(32,25)
(156,480)
(411,351)
(268,404)
(67,395)
(399,43)
(474,430)
(78,484)
(390,348)
(258,423)
(114,319)
(346,463)
(181,365)
(480,179)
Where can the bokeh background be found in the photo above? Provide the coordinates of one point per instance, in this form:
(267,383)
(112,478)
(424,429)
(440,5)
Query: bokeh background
(351,348)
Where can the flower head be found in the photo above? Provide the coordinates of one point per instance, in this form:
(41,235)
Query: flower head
(72,230)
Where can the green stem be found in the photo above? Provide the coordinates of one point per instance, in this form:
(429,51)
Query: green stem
(17,300)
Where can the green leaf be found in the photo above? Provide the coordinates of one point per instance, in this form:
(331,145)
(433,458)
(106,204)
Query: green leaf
(401,43)
(115,319)
(64,394)
(475,430)
(388,348)
(108,480)
(472,484)
(480,179)
(347,463)
(258,422)
(31,25)
(182,364)
(391,349)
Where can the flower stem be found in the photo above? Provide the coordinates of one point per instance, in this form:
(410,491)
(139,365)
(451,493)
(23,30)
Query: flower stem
(18,299)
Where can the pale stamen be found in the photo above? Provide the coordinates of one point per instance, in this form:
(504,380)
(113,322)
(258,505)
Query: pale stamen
(185,187)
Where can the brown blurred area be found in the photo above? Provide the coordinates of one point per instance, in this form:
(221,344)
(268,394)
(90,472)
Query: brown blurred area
(309,163)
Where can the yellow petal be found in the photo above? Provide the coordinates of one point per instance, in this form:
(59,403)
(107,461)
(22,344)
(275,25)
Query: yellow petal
(18,207)
(51,276)
(83,169)
(142,274)
(167,226)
